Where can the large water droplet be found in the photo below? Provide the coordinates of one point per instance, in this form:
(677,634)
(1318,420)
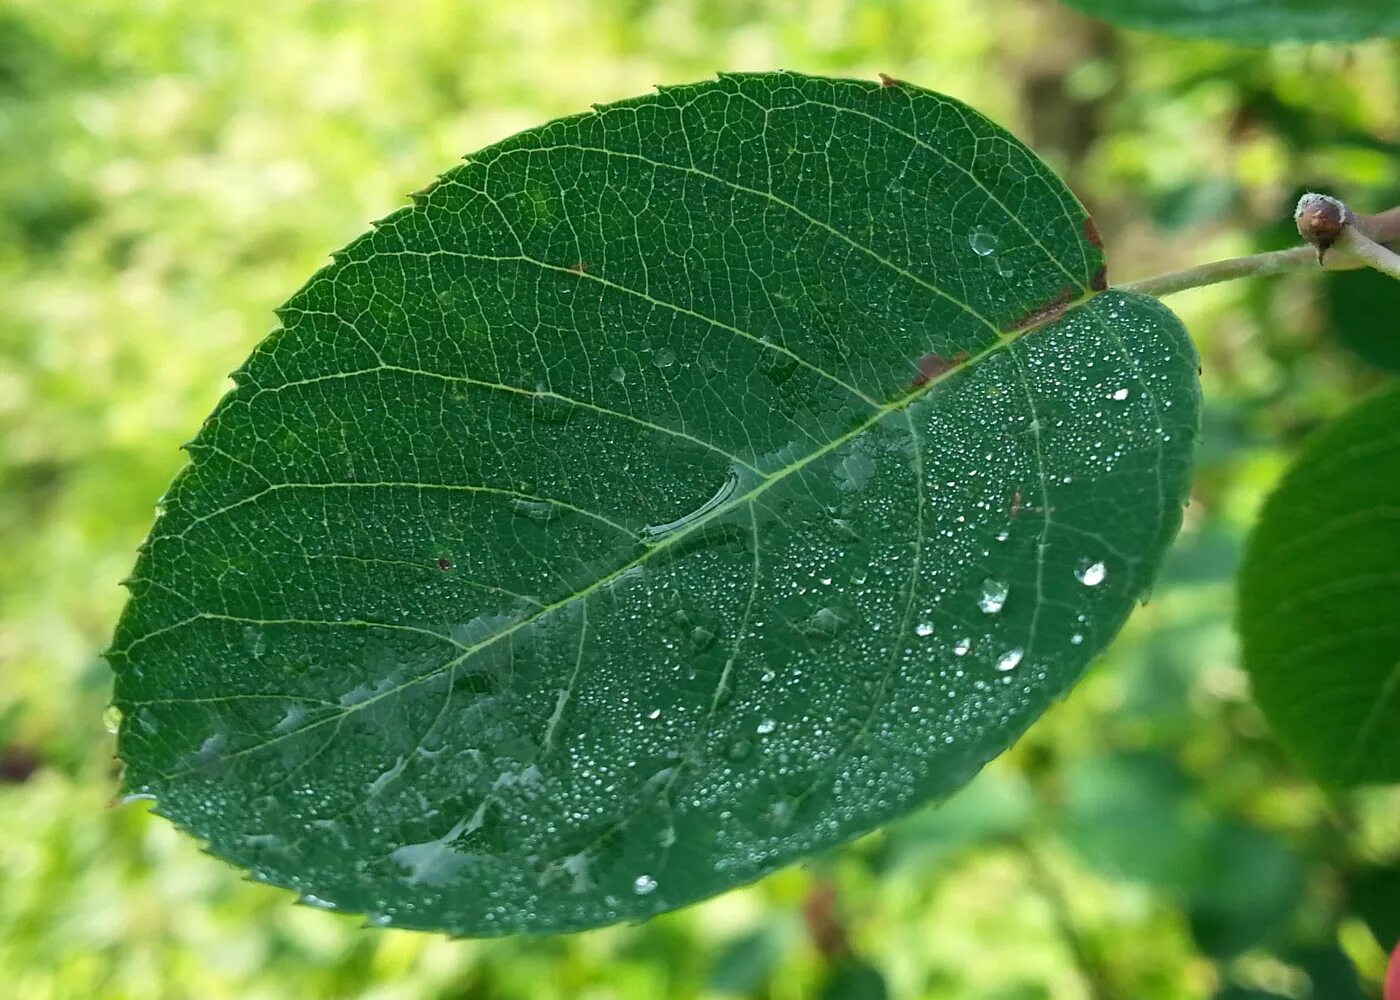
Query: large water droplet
(656,531)
(962,647)
(534,510)
(983,241)
(701,638)
(1120,394)
(766,726)
(644,885)
(1010,659)
(1091,574)
(664,358)
(993,596)
(923,629)
(827,623)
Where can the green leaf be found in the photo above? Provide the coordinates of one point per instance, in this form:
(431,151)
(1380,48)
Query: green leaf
(1318,598)
(1354,302)
(1373,891)
(854,979)
(1253,22)
(675,490)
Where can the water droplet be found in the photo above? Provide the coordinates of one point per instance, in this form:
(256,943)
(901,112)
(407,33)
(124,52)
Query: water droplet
(664,358)
(534,510)
(701,638)
(962,647)
(767,676)
(655,531)
(1120,394)
(617,375)
(1076,639)
(112,718)
(255,641)
(316,902)
(923,629)
(739,749)
(1009,659)
(992,597)
(644,885)
(1091,574)
(766,726)
(1003,535)
(983,241)
(1005,268)
(827,623)
(655,713)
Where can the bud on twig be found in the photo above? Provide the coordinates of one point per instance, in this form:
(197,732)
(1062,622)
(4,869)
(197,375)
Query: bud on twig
(1321,219)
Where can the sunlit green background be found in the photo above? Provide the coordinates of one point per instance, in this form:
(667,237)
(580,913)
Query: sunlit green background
(170,172)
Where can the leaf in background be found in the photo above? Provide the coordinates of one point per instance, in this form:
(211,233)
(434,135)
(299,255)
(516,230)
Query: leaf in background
(1361,307)
(1318,599)
(1132,816)
(854,979)
(675,490)
(1375,897)
(1249,885)
(1253,22)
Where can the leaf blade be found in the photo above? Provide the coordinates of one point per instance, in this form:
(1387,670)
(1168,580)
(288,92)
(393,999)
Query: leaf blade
(1317,597)
(1253,22)
(484,680)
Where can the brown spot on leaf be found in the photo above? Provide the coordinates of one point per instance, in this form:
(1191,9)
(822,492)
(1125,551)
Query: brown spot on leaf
(1042,315)
(888,81)
(444,563)
(1099,282)
(1091,232)
(578,267)
(931,366)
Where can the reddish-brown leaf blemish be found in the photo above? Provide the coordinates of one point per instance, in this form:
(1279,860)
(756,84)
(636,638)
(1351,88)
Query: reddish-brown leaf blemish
(1091,232)
(931,366)
(444,563)
(1099,282)
(1042,315)
(578,267)
(888,81)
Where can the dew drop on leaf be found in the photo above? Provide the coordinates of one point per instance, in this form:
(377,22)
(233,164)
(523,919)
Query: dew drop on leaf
(1091,574)
(1010,659)
(983,241)
(992,597)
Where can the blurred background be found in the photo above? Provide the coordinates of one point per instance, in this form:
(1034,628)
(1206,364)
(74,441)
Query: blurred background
(170,172)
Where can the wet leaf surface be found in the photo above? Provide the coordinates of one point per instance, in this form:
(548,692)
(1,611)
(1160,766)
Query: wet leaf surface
(603,531)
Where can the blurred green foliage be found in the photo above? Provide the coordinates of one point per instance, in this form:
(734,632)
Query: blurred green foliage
(171,172)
